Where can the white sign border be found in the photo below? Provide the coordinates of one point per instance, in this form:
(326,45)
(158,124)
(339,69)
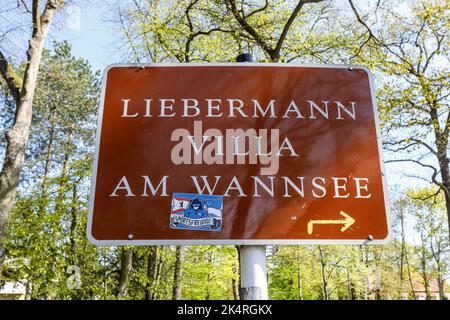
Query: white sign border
(133,242)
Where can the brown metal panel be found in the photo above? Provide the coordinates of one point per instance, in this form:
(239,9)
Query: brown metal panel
(337,147)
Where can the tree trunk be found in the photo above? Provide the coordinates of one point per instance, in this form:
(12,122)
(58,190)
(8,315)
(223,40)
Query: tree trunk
(441,284)
(28,290)
(126,266)
(153,273)
(73,223)
(404,258)
(376,260)
(424,268)
(178,273)
(408,267)
(426,286)
(299,275)
(445,176)
(439,274)
(235,283)
(239,270)
(17,136)
(402,248)
(48,159)
(158,272)
(209,277)
(441,141)
(365,260)
(64,171)
(324,278)
(59,209)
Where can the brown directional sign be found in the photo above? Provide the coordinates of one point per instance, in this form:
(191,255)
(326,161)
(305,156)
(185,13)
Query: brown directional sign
(237,153)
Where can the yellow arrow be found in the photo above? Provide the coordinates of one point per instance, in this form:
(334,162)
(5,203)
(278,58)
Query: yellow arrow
(347,222)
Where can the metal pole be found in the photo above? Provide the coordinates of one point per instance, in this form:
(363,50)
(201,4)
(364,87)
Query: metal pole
(252,258)
(253,273)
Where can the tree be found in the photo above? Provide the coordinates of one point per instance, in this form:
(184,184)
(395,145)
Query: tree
(181,31)
(218,30)
(22,90)
(126,266)
(412,49)
(154,265)
(433,249)
(48,221)
(403,209)
(178,272)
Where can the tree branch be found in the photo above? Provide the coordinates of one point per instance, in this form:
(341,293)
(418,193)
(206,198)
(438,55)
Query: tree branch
(378,41)
(50,7)
(410,142)
(266,4)
(435,171)
(36,17)
(287,26)
(274,53)
(12,80)
(231,5)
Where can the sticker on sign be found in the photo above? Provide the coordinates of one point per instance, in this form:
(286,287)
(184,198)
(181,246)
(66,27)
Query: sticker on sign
(253,153)
(196,212)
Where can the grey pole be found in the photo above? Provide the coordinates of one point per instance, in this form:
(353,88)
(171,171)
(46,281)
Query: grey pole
(252,258)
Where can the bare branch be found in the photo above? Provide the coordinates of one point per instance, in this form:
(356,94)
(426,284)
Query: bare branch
(266,4)
(433,195)
(241,17)
(410,142)
(435,171)
(378,41)
(287,26)
(231,5)
(25,6)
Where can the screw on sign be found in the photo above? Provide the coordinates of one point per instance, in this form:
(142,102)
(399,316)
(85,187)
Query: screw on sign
(237,154)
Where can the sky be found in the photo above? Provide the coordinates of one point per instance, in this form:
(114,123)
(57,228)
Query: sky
(86,28)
